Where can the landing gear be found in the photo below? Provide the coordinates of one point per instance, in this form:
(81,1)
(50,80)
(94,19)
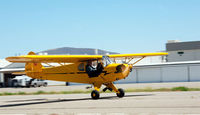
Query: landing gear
(95,94)
(120,93)
(109,86)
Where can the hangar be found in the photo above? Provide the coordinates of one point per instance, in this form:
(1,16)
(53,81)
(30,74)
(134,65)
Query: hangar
(6,75)
(181,65)
(187,71)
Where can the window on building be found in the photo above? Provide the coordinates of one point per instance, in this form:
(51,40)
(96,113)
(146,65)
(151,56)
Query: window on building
(180,53)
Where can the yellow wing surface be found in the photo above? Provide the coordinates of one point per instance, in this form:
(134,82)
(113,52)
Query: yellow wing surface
(72,58)
(138,55)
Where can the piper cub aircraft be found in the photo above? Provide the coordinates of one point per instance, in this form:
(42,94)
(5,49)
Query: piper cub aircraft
(81,69)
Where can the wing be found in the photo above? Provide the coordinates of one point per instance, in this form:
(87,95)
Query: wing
(31,57)
(141,56)
(53,58)
(138,55)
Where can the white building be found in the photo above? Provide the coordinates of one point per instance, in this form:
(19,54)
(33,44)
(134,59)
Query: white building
(6,75)
(3,64)
(183,51)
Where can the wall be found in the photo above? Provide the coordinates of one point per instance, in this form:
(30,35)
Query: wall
(189,55)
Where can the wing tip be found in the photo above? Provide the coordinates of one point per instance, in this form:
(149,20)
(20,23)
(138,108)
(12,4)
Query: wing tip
(12,59)
(20,59)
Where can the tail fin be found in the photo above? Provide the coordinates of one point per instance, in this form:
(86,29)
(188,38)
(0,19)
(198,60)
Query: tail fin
(32,69)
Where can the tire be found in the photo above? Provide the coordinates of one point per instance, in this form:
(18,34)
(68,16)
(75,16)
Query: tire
(45,84)
(95,94)
(121,93)
(34,85)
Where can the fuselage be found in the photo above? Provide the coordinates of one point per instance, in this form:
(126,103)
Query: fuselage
(76,73)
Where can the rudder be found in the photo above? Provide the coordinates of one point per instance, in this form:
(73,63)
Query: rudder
(33,69)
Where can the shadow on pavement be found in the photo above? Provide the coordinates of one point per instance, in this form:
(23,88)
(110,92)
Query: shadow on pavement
(45,101)
(26,100)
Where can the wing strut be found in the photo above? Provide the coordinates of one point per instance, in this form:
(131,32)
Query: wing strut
(138,60)
(130,60)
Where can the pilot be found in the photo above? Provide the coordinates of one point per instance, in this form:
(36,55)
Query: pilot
(94,72)
(100,68)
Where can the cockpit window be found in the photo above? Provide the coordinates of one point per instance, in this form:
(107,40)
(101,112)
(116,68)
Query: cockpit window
(106,61)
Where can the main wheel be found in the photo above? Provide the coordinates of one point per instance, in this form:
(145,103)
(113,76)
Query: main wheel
(95,94)
(45,84)
(121,93)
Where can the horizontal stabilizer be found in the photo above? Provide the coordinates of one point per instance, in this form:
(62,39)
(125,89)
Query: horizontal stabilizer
(19,73)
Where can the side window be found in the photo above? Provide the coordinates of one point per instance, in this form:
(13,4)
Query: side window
(81,67)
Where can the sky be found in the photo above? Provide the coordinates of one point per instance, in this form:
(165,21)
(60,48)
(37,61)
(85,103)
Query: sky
(124,26)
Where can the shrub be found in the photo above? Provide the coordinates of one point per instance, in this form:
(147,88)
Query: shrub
(180,89)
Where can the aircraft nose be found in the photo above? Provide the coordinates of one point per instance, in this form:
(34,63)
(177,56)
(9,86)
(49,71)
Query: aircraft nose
(130,68)
(126,70)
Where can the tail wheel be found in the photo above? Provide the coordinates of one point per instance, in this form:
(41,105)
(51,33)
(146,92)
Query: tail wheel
(121,93)
(95,94)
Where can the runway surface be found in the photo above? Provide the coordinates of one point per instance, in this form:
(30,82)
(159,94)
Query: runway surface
(83,87)
(143,103)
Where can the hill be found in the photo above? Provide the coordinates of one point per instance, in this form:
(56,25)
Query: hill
(76,51)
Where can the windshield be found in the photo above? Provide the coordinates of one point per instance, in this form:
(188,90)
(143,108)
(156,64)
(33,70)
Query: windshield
(106,61)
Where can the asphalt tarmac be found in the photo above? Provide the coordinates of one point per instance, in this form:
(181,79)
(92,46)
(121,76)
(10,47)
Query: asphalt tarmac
(141,103)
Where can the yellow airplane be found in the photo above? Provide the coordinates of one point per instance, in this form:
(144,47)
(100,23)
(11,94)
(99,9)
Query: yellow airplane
(79,69)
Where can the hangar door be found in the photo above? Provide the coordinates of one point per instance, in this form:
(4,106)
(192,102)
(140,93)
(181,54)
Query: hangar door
(132,78)
(175,74)
(195,73)
(149,74)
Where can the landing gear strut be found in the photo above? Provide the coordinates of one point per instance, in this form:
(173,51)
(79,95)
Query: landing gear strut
(120,92)
(105,89)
